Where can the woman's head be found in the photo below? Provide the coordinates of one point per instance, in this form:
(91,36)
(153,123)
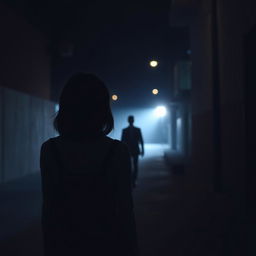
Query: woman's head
(84,107)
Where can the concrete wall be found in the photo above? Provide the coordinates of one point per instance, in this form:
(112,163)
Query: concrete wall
(25,60)
(202,164)
(234,21)
(25,122)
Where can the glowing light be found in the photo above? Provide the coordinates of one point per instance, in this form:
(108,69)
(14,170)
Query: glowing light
(114,97)
(155,91)
(57,107)
(160,111)
(153,63)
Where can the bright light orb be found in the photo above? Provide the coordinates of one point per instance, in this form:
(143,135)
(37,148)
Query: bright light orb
(114,97)
(155,91)
(153,63)
(160,111)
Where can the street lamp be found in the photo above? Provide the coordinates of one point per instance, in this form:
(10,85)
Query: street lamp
(153,63)
(155,91)
(114,97)
(160,111)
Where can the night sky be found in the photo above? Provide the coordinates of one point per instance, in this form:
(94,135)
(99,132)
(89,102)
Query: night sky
(113,39)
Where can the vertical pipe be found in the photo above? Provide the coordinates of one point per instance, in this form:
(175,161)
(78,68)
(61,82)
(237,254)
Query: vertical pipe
(174,128)
(216,98)
(185,129)
(2,142)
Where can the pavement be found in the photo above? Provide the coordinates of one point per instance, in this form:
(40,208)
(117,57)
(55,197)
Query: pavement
(172,219)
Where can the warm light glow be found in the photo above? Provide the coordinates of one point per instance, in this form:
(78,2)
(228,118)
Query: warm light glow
(114,97)
(155,91)
(153,63)
(160,111)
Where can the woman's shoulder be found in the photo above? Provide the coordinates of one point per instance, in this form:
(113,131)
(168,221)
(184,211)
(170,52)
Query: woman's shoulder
(105,142)
(49,141)
(120,147)
(46,144)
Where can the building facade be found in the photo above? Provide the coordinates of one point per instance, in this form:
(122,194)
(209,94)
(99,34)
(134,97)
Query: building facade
(222,36)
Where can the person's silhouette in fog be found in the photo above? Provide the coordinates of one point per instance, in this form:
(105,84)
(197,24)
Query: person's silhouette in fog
(86,177)
(132,137)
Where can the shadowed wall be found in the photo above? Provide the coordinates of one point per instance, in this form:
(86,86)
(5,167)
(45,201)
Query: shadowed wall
(25,60)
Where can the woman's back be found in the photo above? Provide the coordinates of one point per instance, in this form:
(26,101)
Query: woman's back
(86,191)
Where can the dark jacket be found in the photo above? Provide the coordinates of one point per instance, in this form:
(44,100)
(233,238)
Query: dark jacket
(132,137)
(87,208)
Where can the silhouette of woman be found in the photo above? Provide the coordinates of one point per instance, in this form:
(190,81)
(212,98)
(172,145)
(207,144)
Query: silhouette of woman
(86,177)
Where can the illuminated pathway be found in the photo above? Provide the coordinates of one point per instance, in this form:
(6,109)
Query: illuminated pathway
(152,203)
(169,220)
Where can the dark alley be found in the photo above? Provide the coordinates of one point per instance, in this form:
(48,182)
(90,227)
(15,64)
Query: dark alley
(127,128)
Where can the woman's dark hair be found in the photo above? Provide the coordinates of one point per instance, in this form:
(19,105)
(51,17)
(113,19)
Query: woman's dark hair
(84,107)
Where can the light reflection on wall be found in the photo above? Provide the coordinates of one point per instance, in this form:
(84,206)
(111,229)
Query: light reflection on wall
(154,130)
(179,134)
(56,108)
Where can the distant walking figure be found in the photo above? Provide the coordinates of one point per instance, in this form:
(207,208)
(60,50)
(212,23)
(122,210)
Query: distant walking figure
(86,178)
(132,137)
